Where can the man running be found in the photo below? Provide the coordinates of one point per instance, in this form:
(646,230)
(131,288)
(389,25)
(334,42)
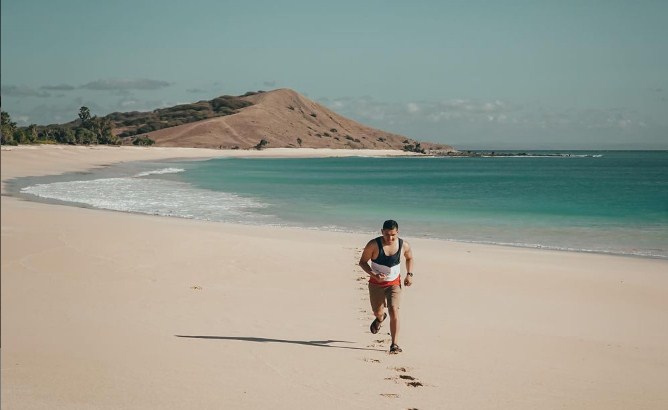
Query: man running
(384,273)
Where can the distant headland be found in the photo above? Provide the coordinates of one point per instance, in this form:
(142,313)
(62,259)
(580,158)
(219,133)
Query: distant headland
(280,118)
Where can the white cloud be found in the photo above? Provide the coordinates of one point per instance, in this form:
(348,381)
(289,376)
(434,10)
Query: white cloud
(470,111)
(22,91)
(478,118)
(126,84)
(59,87)
(22,120)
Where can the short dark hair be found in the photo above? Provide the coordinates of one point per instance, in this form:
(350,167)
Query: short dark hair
(390,224)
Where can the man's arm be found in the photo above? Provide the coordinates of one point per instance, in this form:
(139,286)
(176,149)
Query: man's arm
(408,255)
(367,255)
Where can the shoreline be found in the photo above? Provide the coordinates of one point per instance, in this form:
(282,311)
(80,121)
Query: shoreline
(114,309)
(112,155)
(197,154)
(48,201)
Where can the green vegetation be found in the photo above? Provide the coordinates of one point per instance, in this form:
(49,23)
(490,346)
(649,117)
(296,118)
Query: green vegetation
(89,129)
(86,130)
(143,140)
(414,148)
(263,142)
(7,130)
(134,123)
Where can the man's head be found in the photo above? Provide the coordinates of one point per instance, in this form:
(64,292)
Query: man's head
(390,231)
(390,224)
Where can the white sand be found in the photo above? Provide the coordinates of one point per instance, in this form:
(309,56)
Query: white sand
(94,302)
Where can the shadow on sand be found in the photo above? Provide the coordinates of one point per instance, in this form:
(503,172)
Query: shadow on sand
(318,343)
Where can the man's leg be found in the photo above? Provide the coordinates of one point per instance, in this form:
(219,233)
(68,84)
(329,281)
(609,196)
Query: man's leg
(393,301)
(377,300)
(394,324)
(380,313)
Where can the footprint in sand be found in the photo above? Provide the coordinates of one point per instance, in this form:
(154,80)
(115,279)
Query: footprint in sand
(408,379)
(400,369)
(369,360)
(413,382)
(379,342)
(390,395)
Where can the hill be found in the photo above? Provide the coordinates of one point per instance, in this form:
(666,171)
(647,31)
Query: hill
(283,118)
(135,123)
(280,118)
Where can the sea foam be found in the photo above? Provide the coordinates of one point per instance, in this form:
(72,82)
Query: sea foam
(151,196)
(160,172)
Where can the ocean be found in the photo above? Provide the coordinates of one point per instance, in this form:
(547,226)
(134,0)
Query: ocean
(612,202)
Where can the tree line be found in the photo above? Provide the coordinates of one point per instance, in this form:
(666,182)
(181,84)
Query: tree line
(86,130)
(89,129)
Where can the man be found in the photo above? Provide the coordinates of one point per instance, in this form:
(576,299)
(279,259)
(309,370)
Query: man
(384,273)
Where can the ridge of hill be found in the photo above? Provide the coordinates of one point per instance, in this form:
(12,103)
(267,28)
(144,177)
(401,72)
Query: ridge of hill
(134,123)
(283,118)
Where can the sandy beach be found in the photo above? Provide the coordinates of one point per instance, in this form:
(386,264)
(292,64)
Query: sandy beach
(108,310)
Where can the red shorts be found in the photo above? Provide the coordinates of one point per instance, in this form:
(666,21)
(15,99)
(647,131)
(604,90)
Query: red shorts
(384,296)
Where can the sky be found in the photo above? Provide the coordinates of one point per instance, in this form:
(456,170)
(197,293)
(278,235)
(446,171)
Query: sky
(504,74)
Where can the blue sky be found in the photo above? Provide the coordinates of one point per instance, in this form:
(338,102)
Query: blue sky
(475,74)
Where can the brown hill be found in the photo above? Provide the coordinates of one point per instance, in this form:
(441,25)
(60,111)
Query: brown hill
(284,118)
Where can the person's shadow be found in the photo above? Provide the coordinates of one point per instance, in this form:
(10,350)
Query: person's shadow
(318,343)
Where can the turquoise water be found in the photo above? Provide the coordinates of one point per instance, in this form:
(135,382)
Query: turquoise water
(615,202)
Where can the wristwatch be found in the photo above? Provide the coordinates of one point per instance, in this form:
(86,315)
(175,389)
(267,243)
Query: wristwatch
(409,274)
